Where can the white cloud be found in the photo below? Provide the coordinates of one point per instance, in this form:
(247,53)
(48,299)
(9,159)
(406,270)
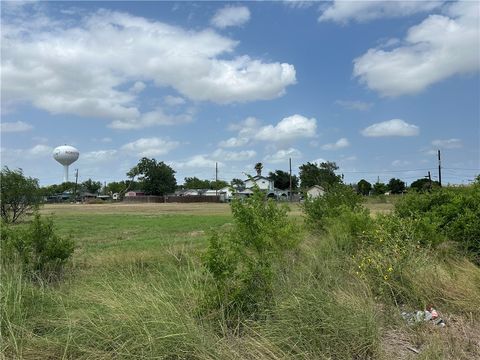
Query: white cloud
(231,16)
(40,150)
(233,142)
(16,155)
(151,118)
(283,155)
(99,155)
(289,128)
(233,155)
(339,144)
(149,147)
(197,161)
(318,161)
(400,163)
(448,143)
(394,127)
(439,47)
(138,87)
(363,11)
(355,104)
(298,4)
(15,126)
(81,66)
(174,100)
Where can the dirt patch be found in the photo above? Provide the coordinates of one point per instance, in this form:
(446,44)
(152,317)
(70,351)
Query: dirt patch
(458,340)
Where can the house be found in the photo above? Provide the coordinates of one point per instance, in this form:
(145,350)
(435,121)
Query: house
(262,182)
(211,192)
(188,192)
(134,193)
(315,191)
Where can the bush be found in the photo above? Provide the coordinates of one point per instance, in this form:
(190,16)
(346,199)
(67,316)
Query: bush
(393,247)
(336,199)
(18,195)
(244,262)
(453,212)
(39,250)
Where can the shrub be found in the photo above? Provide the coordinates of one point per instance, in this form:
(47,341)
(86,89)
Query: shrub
(454,213)
(244,261)
(40,251)
(393,247)
(18,194)
(349,227)
(336,199)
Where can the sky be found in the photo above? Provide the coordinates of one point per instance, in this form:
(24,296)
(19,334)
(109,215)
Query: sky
(377,87)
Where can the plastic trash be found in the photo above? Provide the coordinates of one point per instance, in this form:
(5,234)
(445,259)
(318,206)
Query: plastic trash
(429,315)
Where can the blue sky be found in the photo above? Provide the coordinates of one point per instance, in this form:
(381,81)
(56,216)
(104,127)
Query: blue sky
(377,87)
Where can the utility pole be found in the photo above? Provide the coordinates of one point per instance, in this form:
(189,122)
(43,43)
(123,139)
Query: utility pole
(430,179)
(216,178)
(439,169)
(290,162)
(75,188)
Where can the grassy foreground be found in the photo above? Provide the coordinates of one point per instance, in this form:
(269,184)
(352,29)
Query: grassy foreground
(133,291)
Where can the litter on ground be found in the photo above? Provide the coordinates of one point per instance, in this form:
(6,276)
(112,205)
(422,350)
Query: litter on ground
(429,314)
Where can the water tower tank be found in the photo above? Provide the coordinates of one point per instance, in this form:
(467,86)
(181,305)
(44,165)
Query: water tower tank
(65,155)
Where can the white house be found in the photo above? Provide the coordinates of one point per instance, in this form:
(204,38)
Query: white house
(262,182)
(315,191)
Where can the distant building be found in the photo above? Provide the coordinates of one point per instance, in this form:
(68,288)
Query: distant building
(262,182)
(315,191)
(134,193)
(188,192)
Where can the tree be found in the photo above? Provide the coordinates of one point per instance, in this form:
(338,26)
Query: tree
(258,168)
(396,186)
(281,180)
(91,186)
(379,188)
(57,188)
(364,187)
(323,174)
(218,184)
(18,194)
(237,184)
(156,178)
(423,184)
(116,187)
(196,183)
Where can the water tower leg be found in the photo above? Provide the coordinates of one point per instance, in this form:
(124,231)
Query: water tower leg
(65,173)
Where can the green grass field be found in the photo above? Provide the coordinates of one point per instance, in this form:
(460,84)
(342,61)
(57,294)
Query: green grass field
(132,293)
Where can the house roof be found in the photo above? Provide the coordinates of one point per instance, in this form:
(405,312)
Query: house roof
(258,177)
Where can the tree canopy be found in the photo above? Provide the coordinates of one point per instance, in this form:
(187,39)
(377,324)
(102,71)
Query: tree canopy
(238,184)
(364,187)
(18,194)
(319,174)
(423,184)
(91,186)
(156,178)
(281,180)
(258,168)
(379,188)
(195,183)
(396,186)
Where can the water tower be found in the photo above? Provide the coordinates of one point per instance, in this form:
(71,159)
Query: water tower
(65,155)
